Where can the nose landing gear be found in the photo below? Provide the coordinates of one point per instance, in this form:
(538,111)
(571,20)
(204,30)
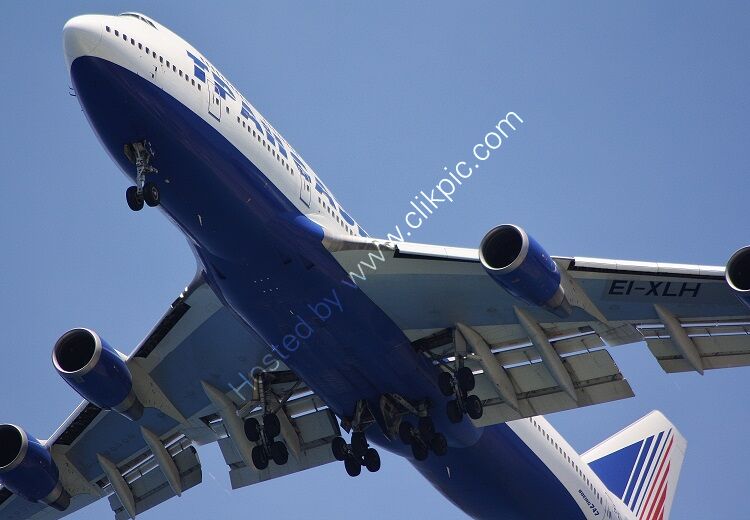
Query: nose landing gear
(140,153)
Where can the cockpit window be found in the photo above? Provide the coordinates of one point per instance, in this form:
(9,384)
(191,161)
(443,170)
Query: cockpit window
(140,17)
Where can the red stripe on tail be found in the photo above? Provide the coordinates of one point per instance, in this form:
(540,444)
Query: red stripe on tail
(655,483)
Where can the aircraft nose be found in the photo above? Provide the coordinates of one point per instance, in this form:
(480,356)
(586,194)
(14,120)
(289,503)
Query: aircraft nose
(81,36)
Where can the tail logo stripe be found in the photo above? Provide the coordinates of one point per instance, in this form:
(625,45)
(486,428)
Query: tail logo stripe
(646,470)
(657,466)
(637,469)
(657,505)
(658,480)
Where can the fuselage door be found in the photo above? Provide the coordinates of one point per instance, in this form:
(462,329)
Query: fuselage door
(305,187)
(214,101)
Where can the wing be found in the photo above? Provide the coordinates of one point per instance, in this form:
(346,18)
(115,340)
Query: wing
(528,360)
(194,375)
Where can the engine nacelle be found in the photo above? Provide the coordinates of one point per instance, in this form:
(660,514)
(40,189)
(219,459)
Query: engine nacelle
(519,264)
(97,372)
(27,469)
(737,274)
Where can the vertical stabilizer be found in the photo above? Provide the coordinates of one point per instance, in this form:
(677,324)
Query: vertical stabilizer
(641,465)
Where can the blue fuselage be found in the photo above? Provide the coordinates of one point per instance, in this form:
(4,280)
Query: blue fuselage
(279,280)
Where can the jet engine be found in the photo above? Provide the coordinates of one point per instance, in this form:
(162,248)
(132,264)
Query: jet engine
(519,264)
(27,469)
(97,372)
(737,274)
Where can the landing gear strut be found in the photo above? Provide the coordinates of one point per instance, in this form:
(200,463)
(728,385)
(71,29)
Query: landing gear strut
(460,384)
(141,154)
(267,447)
(358,453)
(264,435)
(422,438)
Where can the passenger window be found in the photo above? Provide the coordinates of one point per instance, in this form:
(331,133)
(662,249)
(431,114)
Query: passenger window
(117,33)
(167,63)
(132,42)
(140,47)
(161,59)
(108,29)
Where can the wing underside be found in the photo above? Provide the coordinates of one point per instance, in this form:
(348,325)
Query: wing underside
(195,395)
(441,296)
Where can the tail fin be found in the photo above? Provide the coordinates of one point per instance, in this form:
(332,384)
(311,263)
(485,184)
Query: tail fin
(641,465)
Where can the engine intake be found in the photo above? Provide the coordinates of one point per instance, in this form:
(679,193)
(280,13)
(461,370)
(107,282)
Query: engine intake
(27,469)
(523,268)
(96,371)
(737,274)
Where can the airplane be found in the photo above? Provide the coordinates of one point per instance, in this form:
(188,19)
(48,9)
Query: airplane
(298,325)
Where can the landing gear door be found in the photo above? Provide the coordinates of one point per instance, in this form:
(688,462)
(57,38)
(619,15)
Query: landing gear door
(305,187)
(214,101)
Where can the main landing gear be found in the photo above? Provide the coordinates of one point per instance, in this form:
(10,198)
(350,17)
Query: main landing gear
(267,447)
(423,438)
(359,453)
(460,385)
(141,153)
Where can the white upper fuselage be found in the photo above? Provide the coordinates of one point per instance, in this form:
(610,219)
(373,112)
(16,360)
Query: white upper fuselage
(155,53)
(151,51)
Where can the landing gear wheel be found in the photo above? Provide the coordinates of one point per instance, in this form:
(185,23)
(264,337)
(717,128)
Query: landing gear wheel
(465,378)
(279,453)
(151,194)
(439,444)
(252,429)
(271,425)
(419,450)
(338,447)
(353,466)
(260,458)
(405,432)
(135,202)
(454,411)
(473,407)
(359,444)
(426,427)
(372,460)
(445,384)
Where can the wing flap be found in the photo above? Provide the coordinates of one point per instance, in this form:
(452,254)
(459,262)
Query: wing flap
(596,377)
(715,352)
(152,488)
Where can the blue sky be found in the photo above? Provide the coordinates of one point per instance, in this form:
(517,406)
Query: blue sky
(633,146)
